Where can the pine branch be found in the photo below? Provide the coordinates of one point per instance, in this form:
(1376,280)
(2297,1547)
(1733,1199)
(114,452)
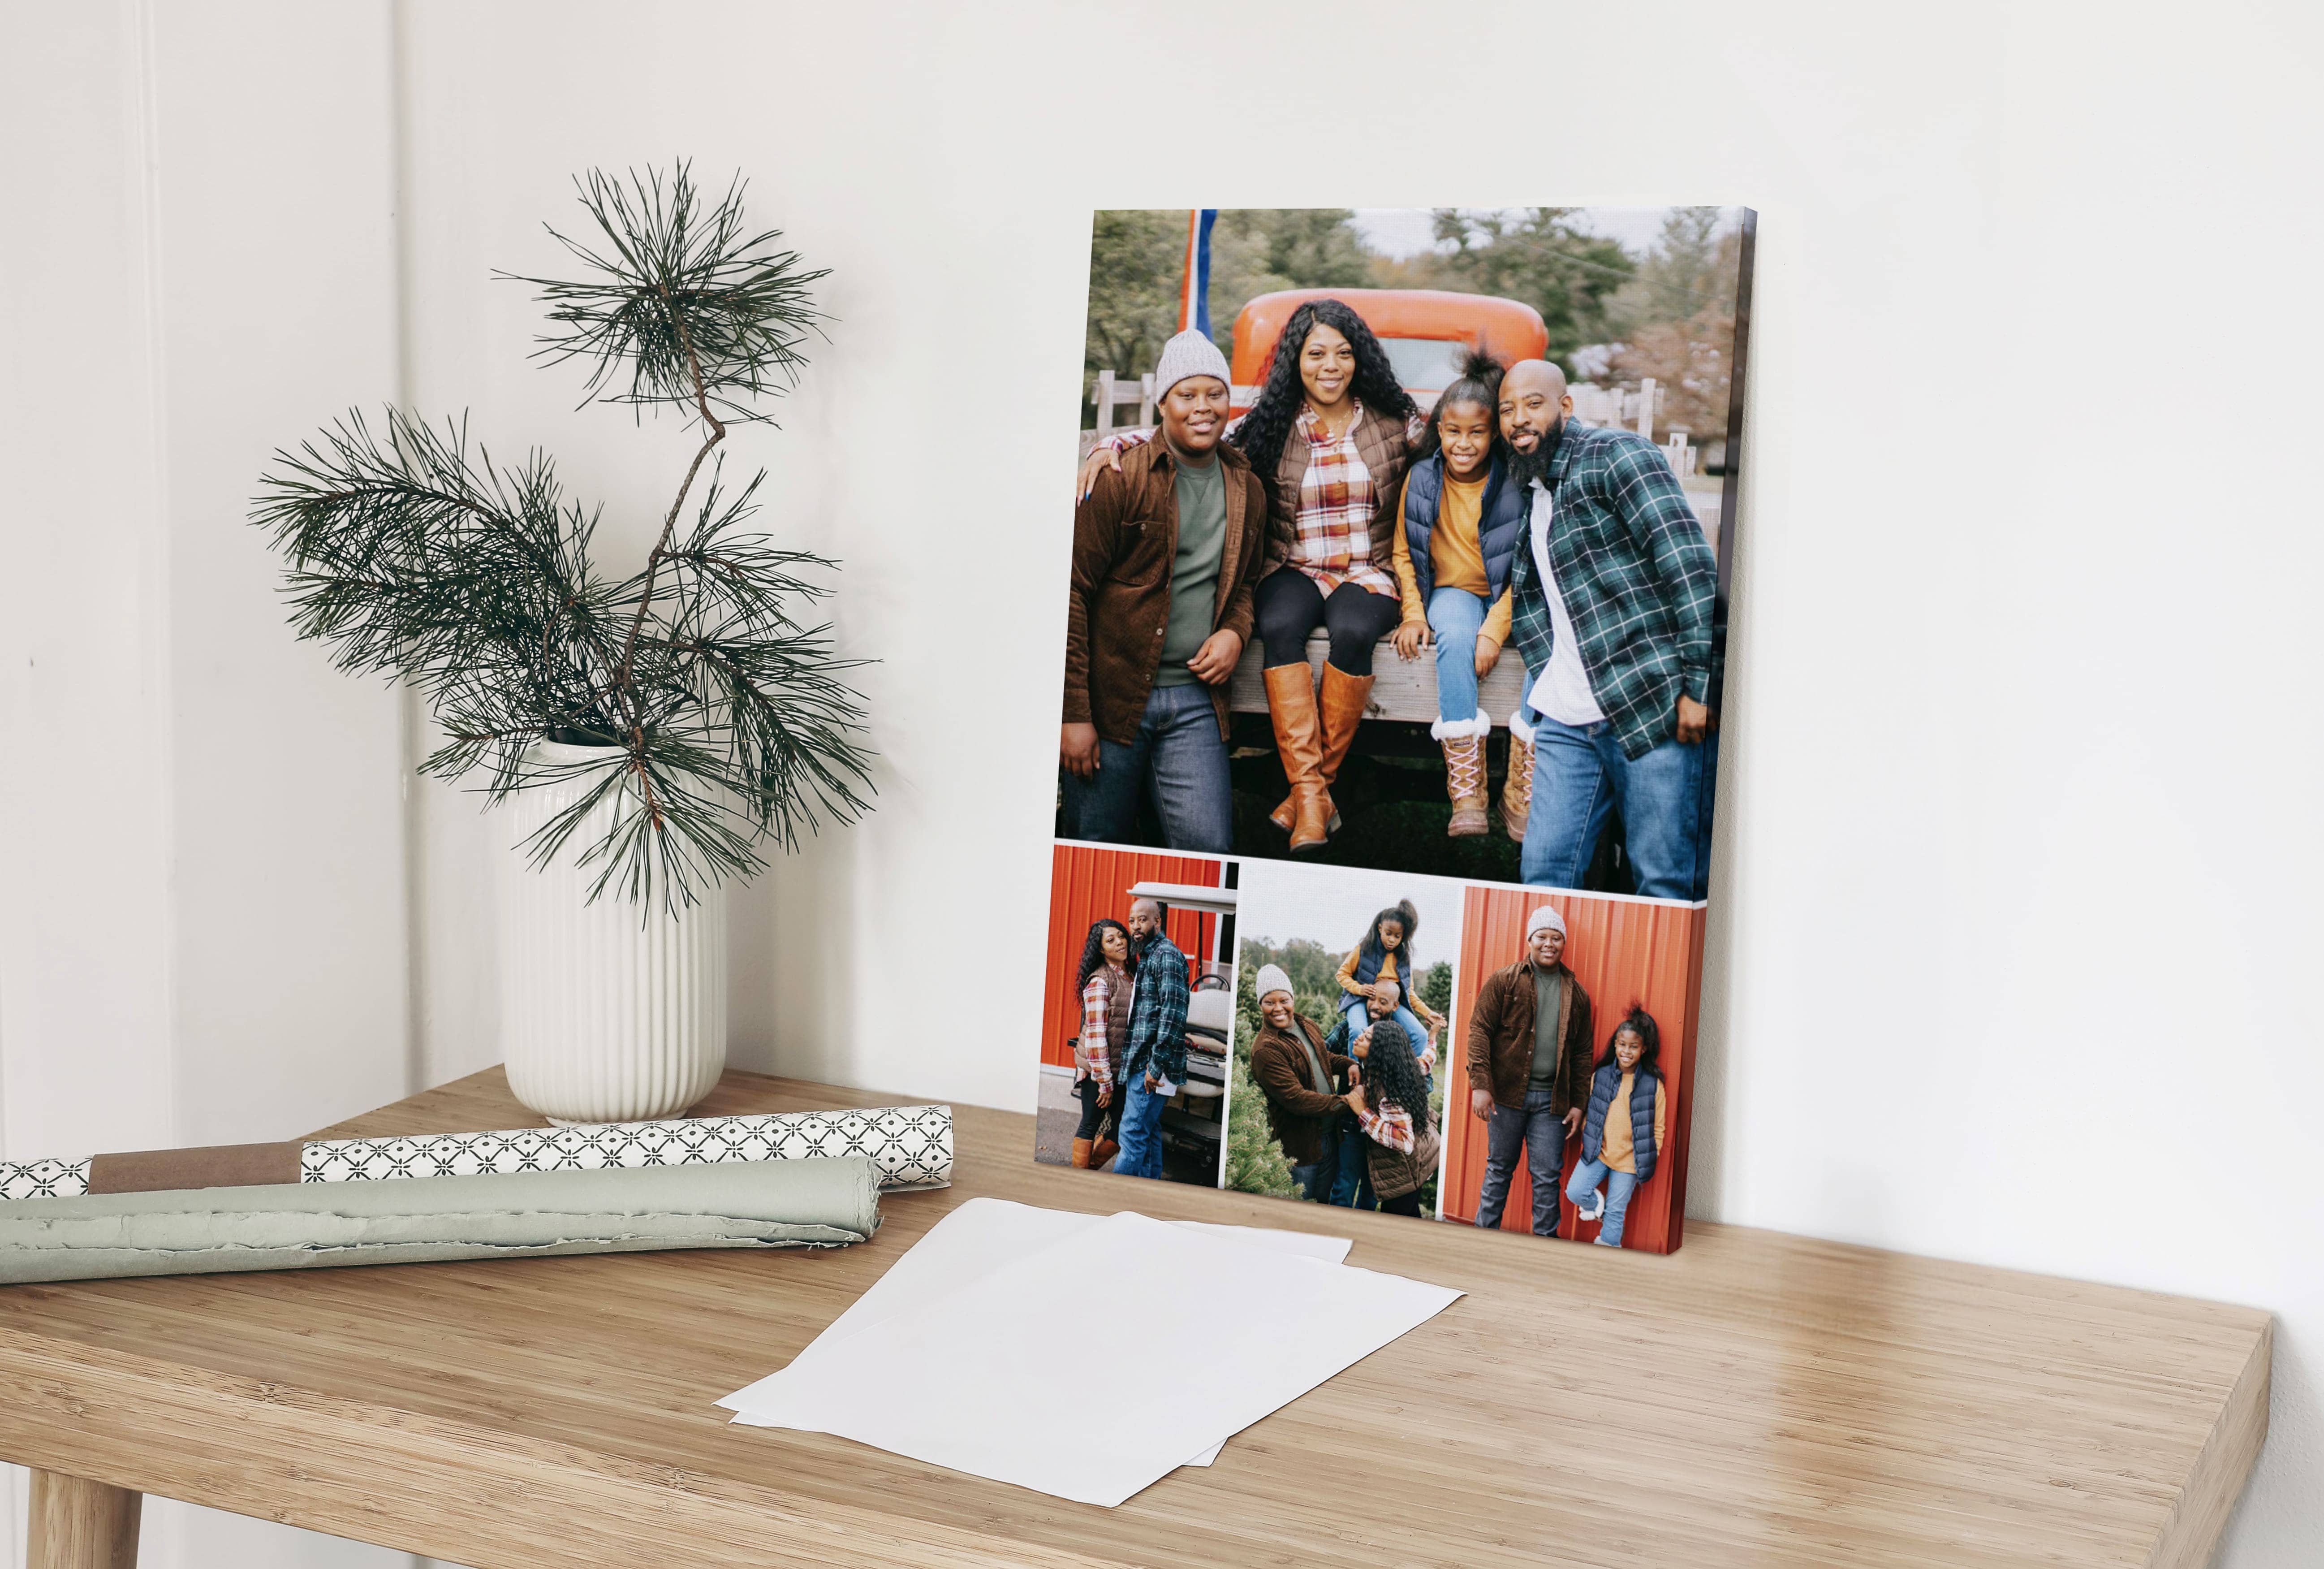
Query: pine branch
(723,721)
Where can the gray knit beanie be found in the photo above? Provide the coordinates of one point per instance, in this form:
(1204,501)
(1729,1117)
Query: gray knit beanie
(1190,354)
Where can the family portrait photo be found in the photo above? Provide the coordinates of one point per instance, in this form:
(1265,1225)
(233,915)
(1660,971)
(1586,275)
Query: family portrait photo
(1576,1018)
(1401,539)
(1135,1012)
(1337,1093)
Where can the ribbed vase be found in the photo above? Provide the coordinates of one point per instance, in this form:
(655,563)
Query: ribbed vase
(605,1017)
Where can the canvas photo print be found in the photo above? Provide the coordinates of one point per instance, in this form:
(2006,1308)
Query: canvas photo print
(1397,597)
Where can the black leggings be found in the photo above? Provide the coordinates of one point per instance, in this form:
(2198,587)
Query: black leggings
(1410,1205)
(1094,1117)
(1290,605)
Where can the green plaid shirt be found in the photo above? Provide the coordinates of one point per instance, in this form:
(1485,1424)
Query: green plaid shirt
(1637,578)
(1157,1016)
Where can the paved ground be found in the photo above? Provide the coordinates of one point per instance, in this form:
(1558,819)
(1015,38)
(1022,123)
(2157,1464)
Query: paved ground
(1060,1113)
(1053,1125)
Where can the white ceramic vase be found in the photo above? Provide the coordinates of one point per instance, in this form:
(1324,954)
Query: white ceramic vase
(605,1017)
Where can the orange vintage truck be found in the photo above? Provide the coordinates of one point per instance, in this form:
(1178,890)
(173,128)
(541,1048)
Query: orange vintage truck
(1425,331)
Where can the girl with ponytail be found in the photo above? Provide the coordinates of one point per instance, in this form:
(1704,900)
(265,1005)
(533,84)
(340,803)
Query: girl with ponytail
(1459,523)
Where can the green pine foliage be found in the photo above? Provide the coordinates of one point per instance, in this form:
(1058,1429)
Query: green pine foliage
(721,720)
(1255,1162)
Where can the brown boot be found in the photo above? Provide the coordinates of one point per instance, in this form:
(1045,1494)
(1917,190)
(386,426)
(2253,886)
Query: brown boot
(1344,699)
(1291,704)
(1080,1154)
(1516,789)
(1103,1151)
(1287,813)
(1464,741)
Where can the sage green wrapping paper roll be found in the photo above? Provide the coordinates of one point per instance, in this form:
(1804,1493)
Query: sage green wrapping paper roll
(780,1203)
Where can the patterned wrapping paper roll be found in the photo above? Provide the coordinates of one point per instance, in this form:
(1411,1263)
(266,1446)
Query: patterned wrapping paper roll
(909,1147)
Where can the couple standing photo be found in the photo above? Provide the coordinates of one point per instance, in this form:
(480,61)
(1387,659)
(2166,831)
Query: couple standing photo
(1137,1015)
(1487,558)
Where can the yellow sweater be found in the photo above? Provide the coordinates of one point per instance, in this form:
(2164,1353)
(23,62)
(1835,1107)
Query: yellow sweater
(1616,1147)
(1454,551)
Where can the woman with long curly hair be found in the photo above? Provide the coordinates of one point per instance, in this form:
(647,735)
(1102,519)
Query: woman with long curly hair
(1330,438)
(1391,1108)
(1103,983)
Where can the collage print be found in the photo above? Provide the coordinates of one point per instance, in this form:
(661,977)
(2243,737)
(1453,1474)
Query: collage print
(1395,641)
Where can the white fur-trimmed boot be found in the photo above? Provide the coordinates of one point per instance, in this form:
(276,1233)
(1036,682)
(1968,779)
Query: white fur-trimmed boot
(1464,741)
(1516,787)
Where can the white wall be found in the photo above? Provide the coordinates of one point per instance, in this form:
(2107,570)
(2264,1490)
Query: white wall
(2017,895)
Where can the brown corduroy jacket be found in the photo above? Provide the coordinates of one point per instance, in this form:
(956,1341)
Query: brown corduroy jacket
(1386,451)
(1500,1039)
(1295,1110)
(1118,610)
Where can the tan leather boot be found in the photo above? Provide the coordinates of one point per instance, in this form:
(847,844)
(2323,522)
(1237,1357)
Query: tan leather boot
(1291,704)
(1288,812)
(1516,787)
(1080,1154)
(1103,1151)
(1343,699)
(1464,741)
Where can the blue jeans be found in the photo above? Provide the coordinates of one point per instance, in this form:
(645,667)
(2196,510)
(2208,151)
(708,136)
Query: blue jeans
(1542,1138)
(1580,776)
(1141,1130)
(1455,616)
(1351,1168)
(1179,759)
(1619,1185)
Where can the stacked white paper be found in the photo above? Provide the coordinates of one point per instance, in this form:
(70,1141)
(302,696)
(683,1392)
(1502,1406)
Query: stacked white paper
(979,1349)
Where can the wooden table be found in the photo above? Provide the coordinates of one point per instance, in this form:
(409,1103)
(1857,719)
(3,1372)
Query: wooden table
(1756,1399)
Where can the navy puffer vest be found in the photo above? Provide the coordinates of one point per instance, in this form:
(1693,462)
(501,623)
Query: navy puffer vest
(1502,522)
(1602,1085)
(1367,969)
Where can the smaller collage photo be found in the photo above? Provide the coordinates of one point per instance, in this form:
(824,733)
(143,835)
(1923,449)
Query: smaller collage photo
(1504,1056)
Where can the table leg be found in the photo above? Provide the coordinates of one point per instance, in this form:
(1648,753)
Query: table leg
(82,1524)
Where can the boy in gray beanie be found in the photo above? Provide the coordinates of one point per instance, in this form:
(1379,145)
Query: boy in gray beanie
(1166,553)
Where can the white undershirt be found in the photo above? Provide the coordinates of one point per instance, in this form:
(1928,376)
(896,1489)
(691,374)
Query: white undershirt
(1563,691)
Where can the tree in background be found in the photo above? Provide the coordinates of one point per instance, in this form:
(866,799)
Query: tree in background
(1436,988)
(1692,266)
(1540,256)
(1136,259)
(1255,1162)
(1679,318)
(1135,262)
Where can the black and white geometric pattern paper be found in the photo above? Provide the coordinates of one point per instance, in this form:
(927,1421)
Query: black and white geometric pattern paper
(43,1178)
(909,1146)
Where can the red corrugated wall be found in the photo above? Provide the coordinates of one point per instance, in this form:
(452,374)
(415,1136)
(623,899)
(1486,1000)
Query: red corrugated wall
(1087,882)
(1622,952)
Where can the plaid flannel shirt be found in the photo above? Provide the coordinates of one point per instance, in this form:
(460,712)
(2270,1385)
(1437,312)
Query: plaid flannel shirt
(1391,1126)
(1096,1055)
(1158,1015)
(1637,577)
(1337,499)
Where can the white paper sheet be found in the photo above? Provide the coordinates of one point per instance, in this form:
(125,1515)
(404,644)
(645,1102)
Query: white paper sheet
(981,1236)
(1200,1330)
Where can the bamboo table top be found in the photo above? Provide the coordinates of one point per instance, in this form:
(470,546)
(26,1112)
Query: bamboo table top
(1754,1399)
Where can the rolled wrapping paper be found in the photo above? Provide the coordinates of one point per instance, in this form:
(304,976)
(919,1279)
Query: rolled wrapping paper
(909,1146)
(763,1203)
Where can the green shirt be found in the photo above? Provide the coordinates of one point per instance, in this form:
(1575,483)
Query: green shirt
(1195,570)
(1548,991)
